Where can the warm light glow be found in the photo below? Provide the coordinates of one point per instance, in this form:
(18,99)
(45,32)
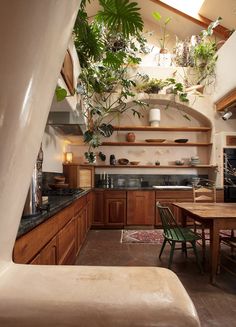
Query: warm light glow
(68,157)
(186,6)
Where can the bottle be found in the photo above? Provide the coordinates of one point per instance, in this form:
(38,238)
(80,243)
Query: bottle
(112,159)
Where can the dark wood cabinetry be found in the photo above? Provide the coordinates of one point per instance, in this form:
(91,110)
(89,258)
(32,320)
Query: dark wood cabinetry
(140,207)
(79,175)
(57,240)
(115,208)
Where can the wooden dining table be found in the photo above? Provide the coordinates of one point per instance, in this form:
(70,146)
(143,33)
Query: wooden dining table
(217,217)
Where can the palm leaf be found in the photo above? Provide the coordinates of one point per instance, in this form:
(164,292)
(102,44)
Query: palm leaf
(121,16)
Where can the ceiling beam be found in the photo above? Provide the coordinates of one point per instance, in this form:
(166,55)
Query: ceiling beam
(220,30)
(226,101)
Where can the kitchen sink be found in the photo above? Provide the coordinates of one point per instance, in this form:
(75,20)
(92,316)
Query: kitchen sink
(176,187)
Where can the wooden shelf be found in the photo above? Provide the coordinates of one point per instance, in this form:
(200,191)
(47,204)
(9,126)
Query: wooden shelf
(154,144)
(154,166)
(164,128)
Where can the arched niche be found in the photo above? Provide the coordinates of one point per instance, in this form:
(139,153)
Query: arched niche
(173,113)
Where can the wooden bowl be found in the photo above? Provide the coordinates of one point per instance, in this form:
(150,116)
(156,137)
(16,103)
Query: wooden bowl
(134,163)
(123,161)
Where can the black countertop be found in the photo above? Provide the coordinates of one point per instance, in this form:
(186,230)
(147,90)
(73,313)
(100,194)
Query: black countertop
(56,203)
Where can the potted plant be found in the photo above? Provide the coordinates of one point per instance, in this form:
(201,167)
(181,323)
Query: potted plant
(164,56)
(151,85)
(205,55)
(106,47)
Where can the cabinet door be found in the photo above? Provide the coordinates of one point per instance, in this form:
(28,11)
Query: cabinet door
(48,255)
(98,216)
(115,212)
(83,224)
(141,208)
(66,244)
(89,210)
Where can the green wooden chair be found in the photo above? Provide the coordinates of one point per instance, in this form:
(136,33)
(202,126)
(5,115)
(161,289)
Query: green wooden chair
(175,234)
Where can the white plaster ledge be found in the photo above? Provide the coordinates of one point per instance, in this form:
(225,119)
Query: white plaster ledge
(93,296)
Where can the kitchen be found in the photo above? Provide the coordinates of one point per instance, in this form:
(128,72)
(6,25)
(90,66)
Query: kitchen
(25,152)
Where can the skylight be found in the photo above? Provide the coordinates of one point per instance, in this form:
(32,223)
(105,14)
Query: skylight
(189,7)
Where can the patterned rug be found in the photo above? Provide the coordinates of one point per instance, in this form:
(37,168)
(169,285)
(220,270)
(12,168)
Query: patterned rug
(151,236)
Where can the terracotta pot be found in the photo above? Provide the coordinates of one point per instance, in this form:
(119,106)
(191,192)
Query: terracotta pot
(130,137)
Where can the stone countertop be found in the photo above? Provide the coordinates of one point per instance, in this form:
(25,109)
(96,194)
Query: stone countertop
(148,188)
(56,203)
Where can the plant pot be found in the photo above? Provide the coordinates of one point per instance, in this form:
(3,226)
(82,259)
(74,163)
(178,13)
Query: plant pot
(164,59)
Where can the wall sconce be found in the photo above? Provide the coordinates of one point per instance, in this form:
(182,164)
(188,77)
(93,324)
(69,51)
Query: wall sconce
(68,157)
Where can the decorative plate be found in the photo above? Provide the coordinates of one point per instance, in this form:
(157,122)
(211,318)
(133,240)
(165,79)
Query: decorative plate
(155,140)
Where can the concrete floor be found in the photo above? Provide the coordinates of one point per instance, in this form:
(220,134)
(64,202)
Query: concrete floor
(216,305)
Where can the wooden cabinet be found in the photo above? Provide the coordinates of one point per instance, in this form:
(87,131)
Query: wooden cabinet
(140,207)
(90,202)
(79,175)
(58,239)
(66,244)
(29,245)
(115,208)
(48,255)
(98,213)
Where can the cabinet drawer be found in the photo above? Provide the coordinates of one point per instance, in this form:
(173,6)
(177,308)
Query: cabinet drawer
(115,194)
(79,204)
(178,194)
(64,216)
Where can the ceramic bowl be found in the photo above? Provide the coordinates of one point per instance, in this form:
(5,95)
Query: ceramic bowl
(181,140)
(179,162)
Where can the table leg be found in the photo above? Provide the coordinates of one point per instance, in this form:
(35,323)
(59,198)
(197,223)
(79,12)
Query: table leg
(214,246)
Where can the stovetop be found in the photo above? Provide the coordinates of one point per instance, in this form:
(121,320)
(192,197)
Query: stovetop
(63,191)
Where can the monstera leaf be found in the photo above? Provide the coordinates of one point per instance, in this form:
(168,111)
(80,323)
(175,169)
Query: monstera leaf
(106,129)
(121,16)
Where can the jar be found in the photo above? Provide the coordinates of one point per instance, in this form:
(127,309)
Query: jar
(112,159)
(130,137)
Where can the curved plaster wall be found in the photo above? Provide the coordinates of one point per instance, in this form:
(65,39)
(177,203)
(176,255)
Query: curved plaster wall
(32,295)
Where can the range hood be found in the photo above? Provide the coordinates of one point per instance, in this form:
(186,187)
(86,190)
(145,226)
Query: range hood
(67,123)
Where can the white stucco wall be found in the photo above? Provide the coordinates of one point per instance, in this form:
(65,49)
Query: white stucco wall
(225,68)
(53,149)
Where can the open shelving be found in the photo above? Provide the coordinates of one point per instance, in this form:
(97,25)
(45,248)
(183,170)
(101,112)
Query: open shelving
(156,166)
(155,144)
(162,129)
